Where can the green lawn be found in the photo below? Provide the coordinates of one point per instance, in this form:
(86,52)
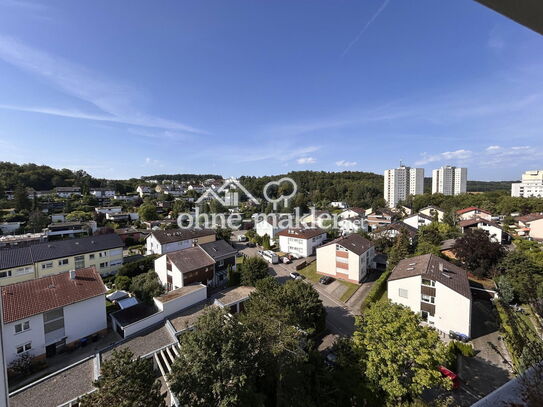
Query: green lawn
(310,272)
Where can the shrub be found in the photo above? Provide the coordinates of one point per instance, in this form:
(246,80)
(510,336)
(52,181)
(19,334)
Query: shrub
(377,290)
(22,366)
(122,282)
(465,349)
(137,267)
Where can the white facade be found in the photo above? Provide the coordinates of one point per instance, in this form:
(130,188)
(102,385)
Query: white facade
(153,246)
(433,211)
(81,319)
(449,180)
(530,186)
(353,225)
(339,262)
(417,221)
(402,182)
(339,205)
(266,228)
(102,193)
(300,247)
(452,310)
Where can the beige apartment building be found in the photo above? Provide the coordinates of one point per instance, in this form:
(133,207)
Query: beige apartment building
(104,252)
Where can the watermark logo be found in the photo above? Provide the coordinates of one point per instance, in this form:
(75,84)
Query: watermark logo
(284,198)
(230,189)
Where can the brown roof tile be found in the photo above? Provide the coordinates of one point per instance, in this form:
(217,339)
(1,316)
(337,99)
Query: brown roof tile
(22,300)
(177,235)
(354,242)
(191,258)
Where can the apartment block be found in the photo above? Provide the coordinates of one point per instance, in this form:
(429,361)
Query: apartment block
(402,182)
(530,186)
(449,180)
(104,252)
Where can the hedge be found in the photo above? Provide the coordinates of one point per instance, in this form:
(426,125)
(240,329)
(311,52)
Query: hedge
(377,290)
(137,267)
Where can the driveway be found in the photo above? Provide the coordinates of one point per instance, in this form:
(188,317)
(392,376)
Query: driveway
(339,319)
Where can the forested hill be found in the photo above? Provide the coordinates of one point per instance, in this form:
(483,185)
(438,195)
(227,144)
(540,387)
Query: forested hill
(477,186)
(181,177)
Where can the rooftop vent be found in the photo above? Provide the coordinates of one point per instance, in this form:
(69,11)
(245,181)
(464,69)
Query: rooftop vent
(446,275)
(410,268)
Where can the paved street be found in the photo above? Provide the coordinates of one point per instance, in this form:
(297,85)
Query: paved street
(339,319)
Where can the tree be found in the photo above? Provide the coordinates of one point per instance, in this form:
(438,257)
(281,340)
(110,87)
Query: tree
(399,250)
(80,216)
(20,198)
(146,286)
(266,242)
(303,301)
(125,382)
(122,282)
(478,252)
(37,220)
(253,269)
(520,275)
(147,212)
(399,356)
(233,277)
(223,233)
(218,364)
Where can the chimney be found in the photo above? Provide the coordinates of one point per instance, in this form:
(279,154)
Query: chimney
(72,274)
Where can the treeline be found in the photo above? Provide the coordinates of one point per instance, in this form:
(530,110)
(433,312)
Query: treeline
(362,189)
(476,186)
(496,202)
(182,177)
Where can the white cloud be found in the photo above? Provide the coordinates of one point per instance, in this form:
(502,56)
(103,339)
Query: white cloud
(493,148)
(458,155)
(343,163)
(306,160)
(113,101)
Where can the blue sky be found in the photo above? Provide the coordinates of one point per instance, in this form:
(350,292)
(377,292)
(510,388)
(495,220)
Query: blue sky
(124,89)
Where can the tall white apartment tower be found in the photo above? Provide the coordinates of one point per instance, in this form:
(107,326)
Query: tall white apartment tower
(449,180)
(531,185)
(402,182)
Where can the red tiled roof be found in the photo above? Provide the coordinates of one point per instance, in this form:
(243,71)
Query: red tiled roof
(529,218)
(471,208)
(22,300)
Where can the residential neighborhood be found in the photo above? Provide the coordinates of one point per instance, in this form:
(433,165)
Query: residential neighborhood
(271,204)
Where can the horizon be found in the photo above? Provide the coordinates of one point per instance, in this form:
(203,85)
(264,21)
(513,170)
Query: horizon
(269,88)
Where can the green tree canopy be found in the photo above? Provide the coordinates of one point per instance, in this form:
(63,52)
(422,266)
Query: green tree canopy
(147,212)
(125,382)
(399,356)
(478,252)
(146,286)
(253,269)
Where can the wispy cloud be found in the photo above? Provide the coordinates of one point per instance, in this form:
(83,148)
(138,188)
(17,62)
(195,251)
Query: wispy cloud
(458,155)
(23,5)
(343,163)
(151,162)
(366,26)
(306,160)
(113,102)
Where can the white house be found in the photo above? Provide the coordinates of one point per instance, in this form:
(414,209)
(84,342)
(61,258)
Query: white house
(495,231)
(434,288)
(166,241)
(270,226)
(530,225)
(300,242)
(8,228)
(102,192)
(108,209)
(473,212)
(143,190)
(352,213)
(67,192)
(44,315)
(417,220)
(353,225)
(339,205)
(433,211)
(347,258)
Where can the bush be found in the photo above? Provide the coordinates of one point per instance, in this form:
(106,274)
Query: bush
(137,267)
(465,349)
(122,282)
(377,290)
(146,286)
(22,366)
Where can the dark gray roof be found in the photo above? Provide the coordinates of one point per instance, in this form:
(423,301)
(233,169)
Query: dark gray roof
(427,266)
(23,256)
(219,249)
(354,242)
(177,235)
(135,313)
(191,258)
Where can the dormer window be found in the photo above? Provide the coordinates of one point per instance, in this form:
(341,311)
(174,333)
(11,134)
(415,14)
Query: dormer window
(428,283)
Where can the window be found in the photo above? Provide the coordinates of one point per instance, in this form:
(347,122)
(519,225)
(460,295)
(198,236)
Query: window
(79,262)
(102,254)
(429,299)
(23,270)
(116,252)
(115,262)
(47,265)
(103,265)
(430,283)
(63,262)
(24,348)
(402,292)
(91,256)
(221,263)
(5,274)
(23,326)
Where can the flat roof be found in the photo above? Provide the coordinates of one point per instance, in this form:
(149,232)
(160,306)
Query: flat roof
(188,317)
(144,343)
(171,295)
(58,388)
(232,295)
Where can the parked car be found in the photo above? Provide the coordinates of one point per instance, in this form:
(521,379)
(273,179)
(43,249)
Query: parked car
(285,260)
(453,376)
(242,238)
(326,280)
(458,336)
(251,244)
(295,275)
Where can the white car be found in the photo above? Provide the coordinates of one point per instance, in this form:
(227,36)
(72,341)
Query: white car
(296,276)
